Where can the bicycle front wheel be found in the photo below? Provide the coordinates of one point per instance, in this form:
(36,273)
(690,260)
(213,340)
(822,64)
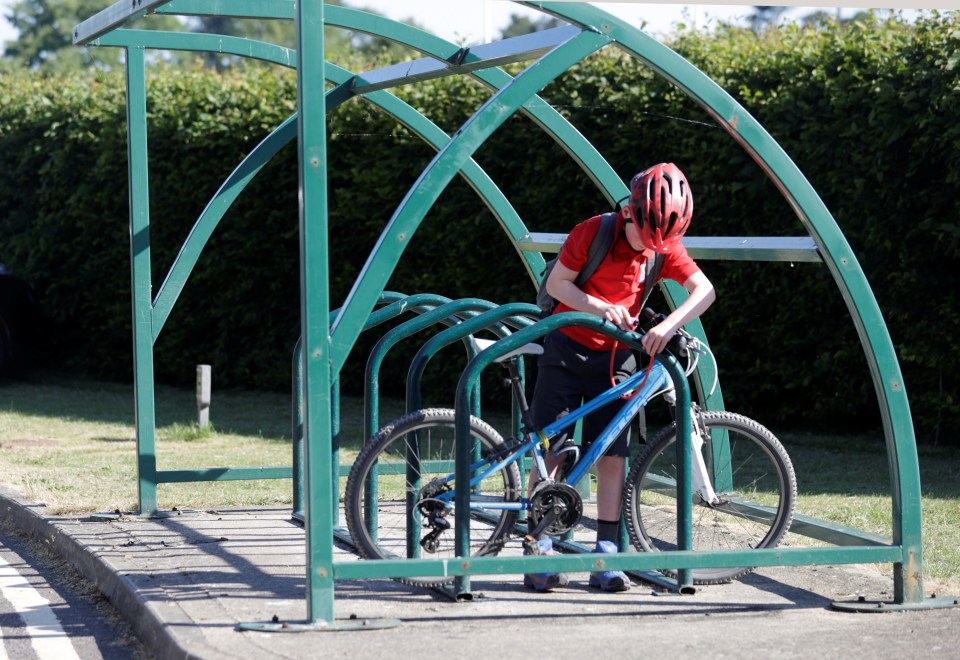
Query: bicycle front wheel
(391,501)
(754,482)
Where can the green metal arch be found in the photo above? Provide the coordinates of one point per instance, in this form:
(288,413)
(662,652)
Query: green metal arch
(820,224)
(545,116)
(541,113)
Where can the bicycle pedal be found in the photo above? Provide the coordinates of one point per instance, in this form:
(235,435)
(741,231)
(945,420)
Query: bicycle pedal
(530,546)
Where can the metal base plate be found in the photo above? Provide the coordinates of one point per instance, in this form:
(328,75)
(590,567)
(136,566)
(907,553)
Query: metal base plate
(173,513)
(321,626)
(864,605)
(110,516)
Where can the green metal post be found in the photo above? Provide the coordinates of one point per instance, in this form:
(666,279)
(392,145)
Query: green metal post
(469,380)
(296,417)
(145,413)
(684,468)
(371,402)
(296,426)
(512,313)
(314,310)
(371,379)
(335,450)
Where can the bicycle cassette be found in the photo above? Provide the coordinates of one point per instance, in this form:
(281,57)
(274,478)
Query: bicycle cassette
(557,506)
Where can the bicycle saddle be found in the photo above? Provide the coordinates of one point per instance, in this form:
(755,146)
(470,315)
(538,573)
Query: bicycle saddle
(526,349)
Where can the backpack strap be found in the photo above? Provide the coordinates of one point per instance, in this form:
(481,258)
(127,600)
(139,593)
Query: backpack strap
(599,247)
(654,266)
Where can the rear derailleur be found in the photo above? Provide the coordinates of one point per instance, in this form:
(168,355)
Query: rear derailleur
(434,511)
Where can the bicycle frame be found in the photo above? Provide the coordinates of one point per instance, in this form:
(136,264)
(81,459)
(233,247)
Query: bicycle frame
(482,469)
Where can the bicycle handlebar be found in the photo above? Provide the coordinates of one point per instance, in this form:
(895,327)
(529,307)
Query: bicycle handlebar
(678,343)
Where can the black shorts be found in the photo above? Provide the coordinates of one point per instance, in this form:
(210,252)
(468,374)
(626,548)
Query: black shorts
(569,374)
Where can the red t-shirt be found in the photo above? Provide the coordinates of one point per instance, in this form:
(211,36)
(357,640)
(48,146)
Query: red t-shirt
(619,279)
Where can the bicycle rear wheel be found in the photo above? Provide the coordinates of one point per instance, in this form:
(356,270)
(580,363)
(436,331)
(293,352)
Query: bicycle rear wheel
(751,473)
(389,489)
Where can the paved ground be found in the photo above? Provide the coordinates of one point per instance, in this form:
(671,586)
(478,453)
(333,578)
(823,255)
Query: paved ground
(186,582)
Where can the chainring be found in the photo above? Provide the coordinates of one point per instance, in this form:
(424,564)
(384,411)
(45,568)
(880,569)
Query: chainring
(562,499)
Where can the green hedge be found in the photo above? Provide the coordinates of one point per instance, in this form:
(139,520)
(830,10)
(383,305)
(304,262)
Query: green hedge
(869,112)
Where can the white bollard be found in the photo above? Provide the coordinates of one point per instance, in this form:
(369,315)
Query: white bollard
(203,395)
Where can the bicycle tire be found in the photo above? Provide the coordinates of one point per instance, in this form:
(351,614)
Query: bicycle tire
(430,435)
(759,494)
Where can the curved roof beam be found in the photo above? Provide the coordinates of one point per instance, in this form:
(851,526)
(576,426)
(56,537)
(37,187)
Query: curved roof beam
(209,219)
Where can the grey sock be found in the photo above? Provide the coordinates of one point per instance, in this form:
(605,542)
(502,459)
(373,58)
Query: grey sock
(608,530)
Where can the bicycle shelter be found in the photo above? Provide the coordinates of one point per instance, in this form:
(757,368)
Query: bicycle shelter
(328,335)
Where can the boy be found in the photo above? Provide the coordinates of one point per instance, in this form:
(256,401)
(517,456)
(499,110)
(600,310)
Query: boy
(576,363)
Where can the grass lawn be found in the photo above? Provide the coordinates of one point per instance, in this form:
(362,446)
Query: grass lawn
(70,445)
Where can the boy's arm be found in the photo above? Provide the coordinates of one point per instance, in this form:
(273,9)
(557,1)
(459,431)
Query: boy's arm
(701,297)
(562,286)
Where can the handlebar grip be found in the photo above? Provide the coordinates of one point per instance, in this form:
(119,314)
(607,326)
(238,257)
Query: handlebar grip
(677,344)
(651,316)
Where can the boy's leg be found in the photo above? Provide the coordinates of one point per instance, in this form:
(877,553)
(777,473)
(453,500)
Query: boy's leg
(611,468)
(610,476)
(555,393)
(542,545)
(611,472)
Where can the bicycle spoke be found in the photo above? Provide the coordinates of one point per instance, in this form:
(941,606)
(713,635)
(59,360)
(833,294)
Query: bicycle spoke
(399,493)
(755,508)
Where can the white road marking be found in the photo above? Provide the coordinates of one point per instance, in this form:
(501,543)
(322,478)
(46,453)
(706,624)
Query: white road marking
(3,649)
(40,623)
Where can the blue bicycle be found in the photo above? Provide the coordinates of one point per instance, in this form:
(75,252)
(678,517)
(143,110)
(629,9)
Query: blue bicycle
(400,493)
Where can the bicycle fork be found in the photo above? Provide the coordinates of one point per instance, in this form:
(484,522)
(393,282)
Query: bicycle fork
(700,479)
(699,476)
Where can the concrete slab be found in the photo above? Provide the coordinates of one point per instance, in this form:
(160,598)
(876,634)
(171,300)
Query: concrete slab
(186,582)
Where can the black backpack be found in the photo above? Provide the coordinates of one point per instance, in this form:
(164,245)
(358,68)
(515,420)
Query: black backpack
(598,250)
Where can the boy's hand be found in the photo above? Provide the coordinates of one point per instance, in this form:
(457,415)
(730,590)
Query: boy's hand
(619,316)
(657,338)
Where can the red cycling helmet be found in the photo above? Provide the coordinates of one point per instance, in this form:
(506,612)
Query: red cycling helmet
(662,205)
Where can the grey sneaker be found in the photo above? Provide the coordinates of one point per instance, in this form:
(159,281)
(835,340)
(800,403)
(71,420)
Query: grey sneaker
(609,581)
(542,582)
